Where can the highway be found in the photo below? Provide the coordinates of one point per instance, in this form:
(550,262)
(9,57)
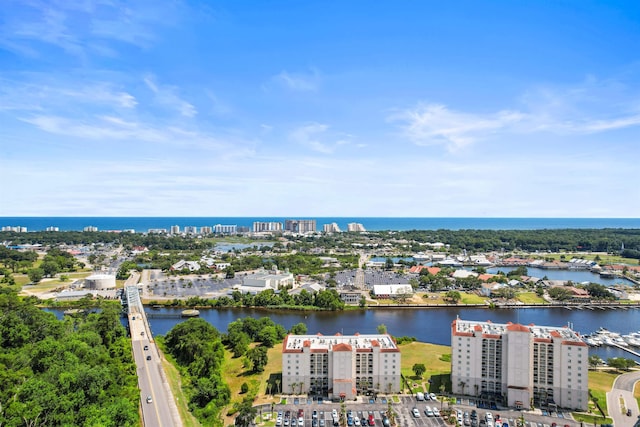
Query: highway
(158,406)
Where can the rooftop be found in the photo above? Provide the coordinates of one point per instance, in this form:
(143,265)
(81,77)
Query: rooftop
(488,327)
(339,342)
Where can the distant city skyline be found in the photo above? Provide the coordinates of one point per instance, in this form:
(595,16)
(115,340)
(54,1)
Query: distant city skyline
(351,109)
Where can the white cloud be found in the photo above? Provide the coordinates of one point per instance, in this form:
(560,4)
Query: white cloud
(34,92)
(299,82)
(167,96)
(82,28)
(436,124)
(588,108)
(308,135)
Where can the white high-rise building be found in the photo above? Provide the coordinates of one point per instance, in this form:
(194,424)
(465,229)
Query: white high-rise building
(331,228)
(519,365)
(300,226)
(175,229)
(340,365)
(225,229)
(355,227)
(90,228)
(190,229)
(263,227)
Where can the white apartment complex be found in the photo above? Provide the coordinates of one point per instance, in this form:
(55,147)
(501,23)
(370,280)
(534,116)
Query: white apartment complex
(355,227)
(300,226)
(340,365)
(331,228)
(268,226)
(225,229)
(519,365)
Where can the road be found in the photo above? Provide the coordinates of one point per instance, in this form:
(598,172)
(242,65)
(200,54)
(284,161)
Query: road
(158,407)
(620,398)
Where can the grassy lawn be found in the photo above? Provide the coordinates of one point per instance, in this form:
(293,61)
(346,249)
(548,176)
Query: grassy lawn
(236,375)
(530,298)
(600,383)
(472,298)
(431,356)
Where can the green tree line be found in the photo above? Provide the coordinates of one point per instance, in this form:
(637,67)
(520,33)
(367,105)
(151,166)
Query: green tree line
(76,371)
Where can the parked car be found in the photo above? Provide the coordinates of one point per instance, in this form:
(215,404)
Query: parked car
(416,413)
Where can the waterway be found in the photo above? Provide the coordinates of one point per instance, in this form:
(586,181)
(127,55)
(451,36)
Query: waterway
(577,276)
(428,325)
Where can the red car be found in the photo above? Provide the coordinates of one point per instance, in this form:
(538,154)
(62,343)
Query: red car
(372,421)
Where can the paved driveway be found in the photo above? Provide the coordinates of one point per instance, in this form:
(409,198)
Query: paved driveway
(620,398)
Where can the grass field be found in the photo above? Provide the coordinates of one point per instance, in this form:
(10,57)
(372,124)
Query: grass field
(530,298)
(472,298)
(600,383)
(431,355)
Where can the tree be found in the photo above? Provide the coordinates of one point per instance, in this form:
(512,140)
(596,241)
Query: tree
(388,264)
(363,302)
(594,361)
(559,293)
(35,274)
(244,388)
(258,358)
(419,369)
(453,296)
(246,413)
(382,328)
(50,268)
(298,329)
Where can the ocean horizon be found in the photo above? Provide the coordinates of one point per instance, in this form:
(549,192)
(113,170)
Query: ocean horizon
(144,224)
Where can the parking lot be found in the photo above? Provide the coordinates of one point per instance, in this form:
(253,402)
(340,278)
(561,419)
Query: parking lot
(403,409)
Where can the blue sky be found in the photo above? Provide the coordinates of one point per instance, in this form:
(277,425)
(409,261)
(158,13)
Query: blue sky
(319,108)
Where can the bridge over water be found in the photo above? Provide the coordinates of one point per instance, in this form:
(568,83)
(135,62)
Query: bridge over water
(157,402)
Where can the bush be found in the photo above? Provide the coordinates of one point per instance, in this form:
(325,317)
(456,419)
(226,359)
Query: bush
(244,388)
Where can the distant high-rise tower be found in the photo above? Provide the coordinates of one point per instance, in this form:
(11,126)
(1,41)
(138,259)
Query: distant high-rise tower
(263,227)
(300,226)
(331,228)
(175,229)
(356,227)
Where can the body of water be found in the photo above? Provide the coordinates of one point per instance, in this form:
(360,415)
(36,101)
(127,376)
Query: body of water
(576,276)
(143,224)
(431,325)
(427,325)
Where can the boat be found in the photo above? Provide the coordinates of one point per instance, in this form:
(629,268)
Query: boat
(190,313)
(421,257)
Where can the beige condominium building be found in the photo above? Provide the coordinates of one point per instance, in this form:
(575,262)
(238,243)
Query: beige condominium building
(519,365)
(341,366)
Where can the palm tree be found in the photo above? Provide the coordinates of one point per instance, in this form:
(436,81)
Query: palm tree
(277,385)
(293,387)
(462,384)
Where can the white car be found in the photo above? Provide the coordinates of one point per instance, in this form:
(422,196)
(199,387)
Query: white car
(433,396)
(436,413)
(356,421)
(416,413)
(428,411)
(300,422)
